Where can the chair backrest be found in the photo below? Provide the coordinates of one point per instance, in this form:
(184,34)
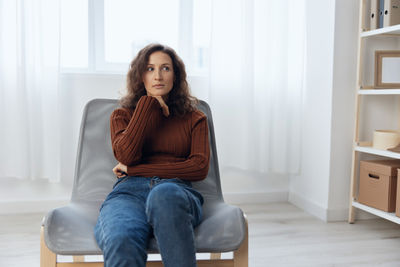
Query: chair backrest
(93,171)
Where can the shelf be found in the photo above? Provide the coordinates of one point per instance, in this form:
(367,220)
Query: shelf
(379,92)
(379,152)
(391,216)
(377,39)
(387,30)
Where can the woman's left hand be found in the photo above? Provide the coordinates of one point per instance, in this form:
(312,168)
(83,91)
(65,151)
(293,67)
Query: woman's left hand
(120,170)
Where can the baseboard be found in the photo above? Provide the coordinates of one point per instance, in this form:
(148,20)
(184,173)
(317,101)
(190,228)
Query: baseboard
(308,206)
(326,215)
(255,197)
(30,206)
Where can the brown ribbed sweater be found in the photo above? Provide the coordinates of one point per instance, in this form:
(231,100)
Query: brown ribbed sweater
(151,144)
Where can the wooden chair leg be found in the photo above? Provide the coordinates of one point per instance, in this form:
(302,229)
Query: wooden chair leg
(47,257)
(241,256)
(79,258)
(215,256)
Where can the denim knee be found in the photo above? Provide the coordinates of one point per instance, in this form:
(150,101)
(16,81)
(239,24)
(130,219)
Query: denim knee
(167,193)
(166,200)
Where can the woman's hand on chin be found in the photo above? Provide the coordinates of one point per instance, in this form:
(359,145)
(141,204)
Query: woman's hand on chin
(164,106)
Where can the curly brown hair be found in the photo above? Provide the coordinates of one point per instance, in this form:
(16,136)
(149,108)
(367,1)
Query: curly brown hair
(179,102)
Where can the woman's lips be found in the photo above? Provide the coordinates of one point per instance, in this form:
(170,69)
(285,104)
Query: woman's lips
(158,85)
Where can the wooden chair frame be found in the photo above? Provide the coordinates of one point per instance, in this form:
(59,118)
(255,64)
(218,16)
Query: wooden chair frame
(240,257)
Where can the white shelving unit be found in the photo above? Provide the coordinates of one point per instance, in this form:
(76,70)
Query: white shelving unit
(386,215)
(360,147)
(379,91)
(382,31)
(378,152)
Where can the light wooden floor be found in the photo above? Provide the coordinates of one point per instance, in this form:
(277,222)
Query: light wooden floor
(280,235)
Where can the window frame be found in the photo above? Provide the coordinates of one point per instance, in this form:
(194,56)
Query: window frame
(96,41)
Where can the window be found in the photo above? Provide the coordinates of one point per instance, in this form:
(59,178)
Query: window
(105,35)
(127,28)
(74,34)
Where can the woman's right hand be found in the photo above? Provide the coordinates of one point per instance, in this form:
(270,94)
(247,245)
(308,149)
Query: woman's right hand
(164,106)
(120,170)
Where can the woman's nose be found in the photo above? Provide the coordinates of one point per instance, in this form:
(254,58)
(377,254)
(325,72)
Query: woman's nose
(158,75)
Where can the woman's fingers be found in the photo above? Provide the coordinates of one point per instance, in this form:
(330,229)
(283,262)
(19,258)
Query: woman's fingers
(164,106)
(165,110)
(117,171)
(119,174)
(120,170)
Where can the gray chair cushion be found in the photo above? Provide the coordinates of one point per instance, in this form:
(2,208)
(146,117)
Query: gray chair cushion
(69,230)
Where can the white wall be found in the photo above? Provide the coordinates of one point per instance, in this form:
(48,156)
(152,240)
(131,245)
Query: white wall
(310,189)
(322,188)
(343,108)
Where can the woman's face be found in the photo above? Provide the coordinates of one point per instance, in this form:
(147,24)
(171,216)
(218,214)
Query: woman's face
(158,77)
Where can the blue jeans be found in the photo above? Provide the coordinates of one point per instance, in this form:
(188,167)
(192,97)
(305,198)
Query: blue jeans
(140,207)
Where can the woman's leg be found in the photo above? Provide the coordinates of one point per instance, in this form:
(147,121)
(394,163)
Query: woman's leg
(122,231)
(174,209)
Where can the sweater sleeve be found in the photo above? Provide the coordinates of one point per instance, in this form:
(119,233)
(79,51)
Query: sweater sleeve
(194,168)
(128,132)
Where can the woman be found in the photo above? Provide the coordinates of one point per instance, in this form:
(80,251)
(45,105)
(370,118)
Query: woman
(161,143)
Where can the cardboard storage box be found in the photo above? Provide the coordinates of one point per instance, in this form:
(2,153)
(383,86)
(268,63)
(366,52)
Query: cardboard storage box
(378,184)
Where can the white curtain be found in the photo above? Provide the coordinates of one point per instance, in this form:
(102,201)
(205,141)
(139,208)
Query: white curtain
(256,81)
(29,69)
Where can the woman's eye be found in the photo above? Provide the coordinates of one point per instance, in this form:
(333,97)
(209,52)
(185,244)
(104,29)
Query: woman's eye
(150,69)
(166,68)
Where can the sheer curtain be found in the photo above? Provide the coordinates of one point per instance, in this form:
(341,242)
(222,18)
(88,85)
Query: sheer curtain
(256,81)
(29,67)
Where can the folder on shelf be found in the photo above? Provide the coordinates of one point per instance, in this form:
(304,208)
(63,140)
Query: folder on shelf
(381,11)
(374,14)
(391,13)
